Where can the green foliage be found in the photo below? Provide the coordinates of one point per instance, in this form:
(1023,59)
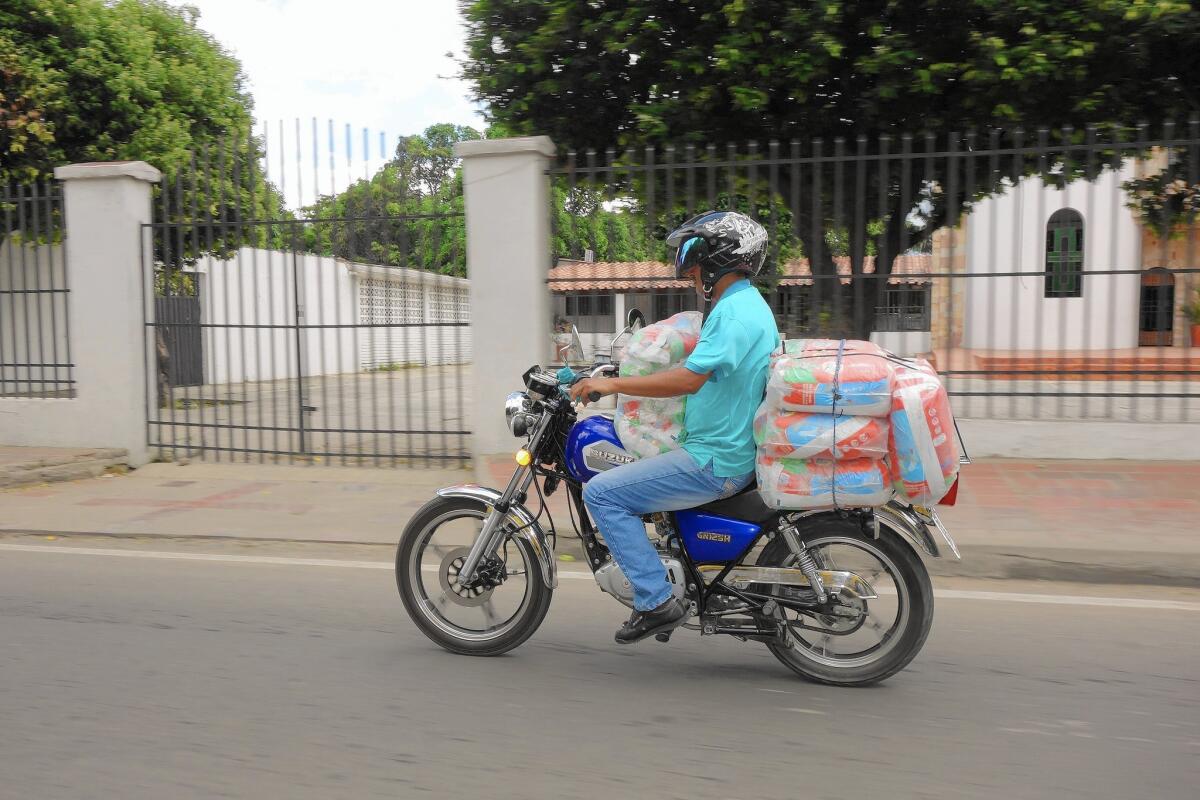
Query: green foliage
(1169,201)
(602,74)
(1191,309)
(819,74)
(409,213)
(88,80)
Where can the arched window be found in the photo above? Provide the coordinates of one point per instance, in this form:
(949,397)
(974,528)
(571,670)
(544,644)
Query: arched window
(1064,254)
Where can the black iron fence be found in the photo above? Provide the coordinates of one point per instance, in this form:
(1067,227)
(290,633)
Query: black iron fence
(1047,274)
(35,349)
(332,335)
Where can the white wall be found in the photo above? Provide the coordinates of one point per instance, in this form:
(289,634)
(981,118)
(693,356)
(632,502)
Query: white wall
(903,343)
(33,326)
(435,307)
(259,287)
(1008,234)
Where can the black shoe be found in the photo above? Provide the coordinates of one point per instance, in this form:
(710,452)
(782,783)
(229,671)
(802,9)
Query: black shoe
(667,617)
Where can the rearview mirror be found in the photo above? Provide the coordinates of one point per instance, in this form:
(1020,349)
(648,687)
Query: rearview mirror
(635,319)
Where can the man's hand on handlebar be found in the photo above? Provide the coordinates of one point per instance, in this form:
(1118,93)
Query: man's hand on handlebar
(589,390)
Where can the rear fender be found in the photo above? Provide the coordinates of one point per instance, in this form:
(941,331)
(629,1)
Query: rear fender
(906,522)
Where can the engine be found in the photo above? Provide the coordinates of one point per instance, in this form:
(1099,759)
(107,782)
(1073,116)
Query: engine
(613,581)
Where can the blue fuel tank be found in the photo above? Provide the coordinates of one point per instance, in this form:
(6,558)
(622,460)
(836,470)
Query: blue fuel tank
(593,447)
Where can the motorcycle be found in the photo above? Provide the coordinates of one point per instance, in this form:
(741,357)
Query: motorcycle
(840,597)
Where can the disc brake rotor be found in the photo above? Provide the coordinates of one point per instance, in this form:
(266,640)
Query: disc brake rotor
(458,594)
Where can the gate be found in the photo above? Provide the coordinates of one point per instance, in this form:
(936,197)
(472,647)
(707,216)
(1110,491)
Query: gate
(312,340)
(178,346)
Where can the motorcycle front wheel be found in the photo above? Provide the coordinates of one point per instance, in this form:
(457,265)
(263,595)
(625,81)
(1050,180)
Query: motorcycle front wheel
(479,621)
(858,641)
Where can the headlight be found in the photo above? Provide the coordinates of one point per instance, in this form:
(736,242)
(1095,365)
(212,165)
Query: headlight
(518,413)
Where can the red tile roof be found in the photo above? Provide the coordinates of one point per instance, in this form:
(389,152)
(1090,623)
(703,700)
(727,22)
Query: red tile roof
(585,276)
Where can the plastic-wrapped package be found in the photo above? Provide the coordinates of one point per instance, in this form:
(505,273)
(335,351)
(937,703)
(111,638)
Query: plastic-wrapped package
(799,434)
(651,426)
(662,345)
(923,447)
(804,483)
(852,383)
(795,347)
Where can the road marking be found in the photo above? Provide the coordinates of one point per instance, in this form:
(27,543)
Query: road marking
(940,594)
(1066,599)
(806,711)
(229,558)
(219,557)
(1034,731)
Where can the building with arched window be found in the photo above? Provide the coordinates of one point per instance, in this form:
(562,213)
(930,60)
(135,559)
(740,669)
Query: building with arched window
(1039,263)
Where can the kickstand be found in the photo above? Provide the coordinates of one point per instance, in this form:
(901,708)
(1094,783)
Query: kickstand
(663,637)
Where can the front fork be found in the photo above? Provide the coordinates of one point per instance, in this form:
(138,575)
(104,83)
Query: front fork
(492,533)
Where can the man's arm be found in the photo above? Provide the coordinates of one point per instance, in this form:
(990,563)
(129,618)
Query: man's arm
(668,383)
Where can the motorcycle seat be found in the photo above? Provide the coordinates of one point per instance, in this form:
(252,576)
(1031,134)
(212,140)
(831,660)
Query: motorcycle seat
(746,505)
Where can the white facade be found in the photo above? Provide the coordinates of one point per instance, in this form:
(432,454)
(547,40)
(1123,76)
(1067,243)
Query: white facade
(352,316)
(1007,234)
(903,343)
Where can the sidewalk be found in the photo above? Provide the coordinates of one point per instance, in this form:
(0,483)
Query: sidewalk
(1107,522)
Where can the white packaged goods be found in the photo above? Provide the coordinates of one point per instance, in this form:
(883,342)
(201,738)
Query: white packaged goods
(923,449)
(800,434)
(794,347)
(848,382)
(650,426)
(846,424)
(805,483)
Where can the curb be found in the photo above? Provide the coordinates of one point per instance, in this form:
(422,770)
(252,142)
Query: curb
(1115,567)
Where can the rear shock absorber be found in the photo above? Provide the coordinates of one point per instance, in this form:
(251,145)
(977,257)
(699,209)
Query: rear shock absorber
(804,560)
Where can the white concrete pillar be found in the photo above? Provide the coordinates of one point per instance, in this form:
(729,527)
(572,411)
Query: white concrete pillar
(618,313)
(105,205)
(507,196)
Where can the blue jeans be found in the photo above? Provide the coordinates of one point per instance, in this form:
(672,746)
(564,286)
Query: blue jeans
(618,498)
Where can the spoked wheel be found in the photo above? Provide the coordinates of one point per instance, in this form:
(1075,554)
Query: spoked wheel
(855,641)
(487,618)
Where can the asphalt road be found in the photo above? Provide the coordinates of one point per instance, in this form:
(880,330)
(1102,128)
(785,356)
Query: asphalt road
(150,678)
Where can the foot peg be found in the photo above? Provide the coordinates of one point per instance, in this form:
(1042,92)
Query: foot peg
(663,637)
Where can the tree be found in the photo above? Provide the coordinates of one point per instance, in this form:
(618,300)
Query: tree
(657,72)
(409,213)
(89,80)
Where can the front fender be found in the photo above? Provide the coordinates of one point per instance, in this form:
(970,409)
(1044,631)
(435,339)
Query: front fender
(527,526)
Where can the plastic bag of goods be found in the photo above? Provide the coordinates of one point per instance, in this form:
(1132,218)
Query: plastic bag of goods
(649,426)
(662,345)
(923,448)
(795,347)
(801,434)
(853,383)
(805,483)
(652,426)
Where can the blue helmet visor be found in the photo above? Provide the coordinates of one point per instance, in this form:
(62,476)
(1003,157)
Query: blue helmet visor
(690,253)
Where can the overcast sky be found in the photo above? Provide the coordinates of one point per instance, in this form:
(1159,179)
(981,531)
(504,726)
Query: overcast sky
(375,64)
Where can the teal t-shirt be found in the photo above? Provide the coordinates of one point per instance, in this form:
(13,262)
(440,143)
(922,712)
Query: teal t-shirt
(735,346)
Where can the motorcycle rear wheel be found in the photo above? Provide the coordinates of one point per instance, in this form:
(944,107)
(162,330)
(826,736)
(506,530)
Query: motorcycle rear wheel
(426,580)
(905,585)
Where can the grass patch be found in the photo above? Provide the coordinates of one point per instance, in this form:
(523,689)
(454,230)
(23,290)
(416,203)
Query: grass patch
(394,366)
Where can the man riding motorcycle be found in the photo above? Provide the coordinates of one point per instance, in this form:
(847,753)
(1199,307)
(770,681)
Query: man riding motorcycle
(725,377)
